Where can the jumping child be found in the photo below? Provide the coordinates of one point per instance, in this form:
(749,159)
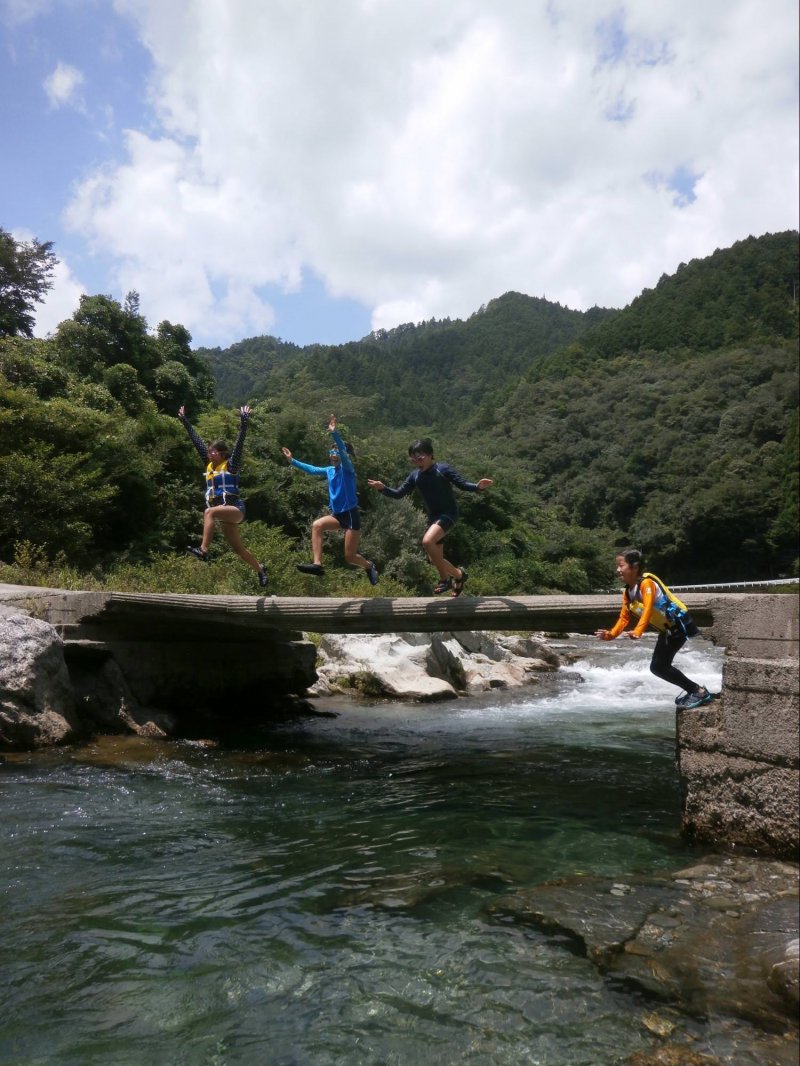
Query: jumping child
(343,502)
(434,481)
(224,505)
(647,597)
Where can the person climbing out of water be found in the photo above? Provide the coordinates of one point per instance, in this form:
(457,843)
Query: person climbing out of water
(224,505)
(434,481)
(646,598)
(343,502)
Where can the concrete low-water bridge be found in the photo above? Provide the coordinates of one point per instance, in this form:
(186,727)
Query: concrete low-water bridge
(738,757)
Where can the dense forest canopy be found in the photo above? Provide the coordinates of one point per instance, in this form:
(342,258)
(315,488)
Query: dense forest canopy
(671,423)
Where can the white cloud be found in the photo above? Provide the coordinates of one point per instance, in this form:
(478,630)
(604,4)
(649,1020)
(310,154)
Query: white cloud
(60,303)
(425,158)
(15,12)
(63,87)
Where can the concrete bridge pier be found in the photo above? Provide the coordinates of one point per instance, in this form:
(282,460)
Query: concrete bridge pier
(739,757)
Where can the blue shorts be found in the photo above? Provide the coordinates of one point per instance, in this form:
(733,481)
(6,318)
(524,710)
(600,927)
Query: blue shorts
(219,501)
(446,521)
(349,519)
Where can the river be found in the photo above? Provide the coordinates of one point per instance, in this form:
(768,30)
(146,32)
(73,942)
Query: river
(315,894)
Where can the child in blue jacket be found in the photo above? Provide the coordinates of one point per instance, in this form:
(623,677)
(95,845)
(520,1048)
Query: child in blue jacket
(343,502)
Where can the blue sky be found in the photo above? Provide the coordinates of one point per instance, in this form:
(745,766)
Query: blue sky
(318,170)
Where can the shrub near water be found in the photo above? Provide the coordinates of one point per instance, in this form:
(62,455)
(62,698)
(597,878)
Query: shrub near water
(224,575)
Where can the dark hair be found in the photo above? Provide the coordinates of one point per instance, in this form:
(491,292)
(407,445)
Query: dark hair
(632,556)
(421,447)
(220,446)
(350,449)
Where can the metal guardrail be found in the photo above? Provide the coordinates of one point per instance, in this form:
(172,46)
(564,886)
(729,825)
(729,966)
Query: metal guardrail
(722,586)
(736,585)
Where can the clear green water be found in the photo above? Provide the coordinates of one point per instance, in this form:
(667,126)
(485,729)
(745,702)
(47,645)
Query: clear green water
(317,894)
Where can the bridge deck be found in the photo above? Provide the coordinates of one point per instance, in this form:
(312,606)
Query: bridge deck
(158,616)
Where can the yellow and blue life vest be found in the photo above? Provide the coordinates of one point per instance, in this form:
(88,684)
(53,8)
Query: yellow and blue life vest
(221,482)
(669,613)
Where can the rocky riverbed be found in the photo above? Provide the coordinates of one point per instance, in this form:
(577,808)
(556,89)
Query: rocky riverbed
(715,942)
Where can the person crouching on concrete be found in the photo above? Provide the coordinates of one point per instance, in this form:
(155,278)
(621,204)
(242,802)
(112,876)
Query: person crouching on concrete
(648,599)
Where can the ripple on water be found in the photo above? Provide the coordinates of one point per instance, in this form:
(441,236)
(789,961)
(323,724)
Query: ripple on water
(319,894)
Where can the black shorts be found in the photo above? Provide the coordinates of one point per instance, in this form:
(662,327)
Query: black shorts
(446,521)
(349,519)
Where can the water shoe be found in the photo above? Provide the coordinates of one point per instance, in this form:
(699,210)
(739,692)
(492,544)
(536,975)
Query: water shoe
(311,568)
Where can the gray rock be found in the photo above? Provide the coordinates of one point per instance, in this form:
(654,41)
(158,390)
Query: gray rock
(37,704)
(424,666)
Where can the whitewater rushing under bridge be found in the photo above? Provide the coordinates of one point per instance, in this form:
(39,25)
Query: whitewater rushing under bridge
(236,653)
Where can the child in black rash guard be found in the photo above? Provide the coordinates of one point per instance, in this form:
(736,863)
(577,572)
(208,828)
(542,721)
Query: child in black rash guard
(435,484)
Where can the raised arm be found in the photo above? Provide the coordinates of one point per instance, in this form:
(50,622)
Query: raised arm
(344,455)
(198,442)
(235,459)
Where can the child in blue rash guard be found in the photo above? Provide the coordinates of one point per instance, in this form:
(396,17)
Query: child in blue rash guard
(434,482)
(224,505)
(343,502)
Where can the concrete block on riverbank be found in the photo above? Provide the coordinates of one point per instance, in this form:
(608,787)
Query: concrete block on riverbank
(739,757)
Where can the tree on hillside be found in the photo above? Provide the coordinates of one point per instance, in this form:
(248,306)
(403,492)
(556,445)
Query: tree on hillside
(108,343)
(25,276)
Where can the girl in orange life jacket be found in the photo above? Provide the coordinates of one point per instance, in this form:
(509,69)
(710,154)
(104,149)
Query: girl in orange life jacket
(224,505)
(646,597)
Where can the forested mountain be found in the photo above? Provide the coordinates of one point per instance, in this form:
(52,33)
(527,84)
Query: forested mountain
(434,373)
(668,423)
(671,423)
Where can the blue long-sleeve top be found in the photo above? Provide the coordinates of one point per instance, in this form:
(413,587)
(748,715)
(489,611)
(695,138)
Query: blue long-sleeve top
(435,488)
(342,494)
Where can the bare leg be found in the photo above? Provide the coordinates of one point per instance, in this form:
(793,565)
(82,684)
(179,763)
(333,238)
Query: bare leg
(432,543)
(352,538)
(230,531)
(326,524)
(208,529)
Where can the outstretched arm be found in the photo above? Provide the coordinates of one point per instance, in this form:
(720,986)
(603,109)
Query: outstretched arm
(317,471)
(198,442)
(461,482)
(395,494)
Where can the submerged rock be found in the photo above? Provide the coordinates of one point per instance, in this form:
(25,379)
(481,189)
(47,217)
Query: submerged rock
(720,937)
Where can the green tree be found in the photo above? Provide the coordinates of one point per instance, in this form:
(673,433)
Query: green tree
(26,269)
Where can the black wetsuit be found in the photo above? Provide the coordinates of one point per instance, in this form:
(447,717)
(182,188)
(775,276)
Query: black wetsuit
(435,488)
